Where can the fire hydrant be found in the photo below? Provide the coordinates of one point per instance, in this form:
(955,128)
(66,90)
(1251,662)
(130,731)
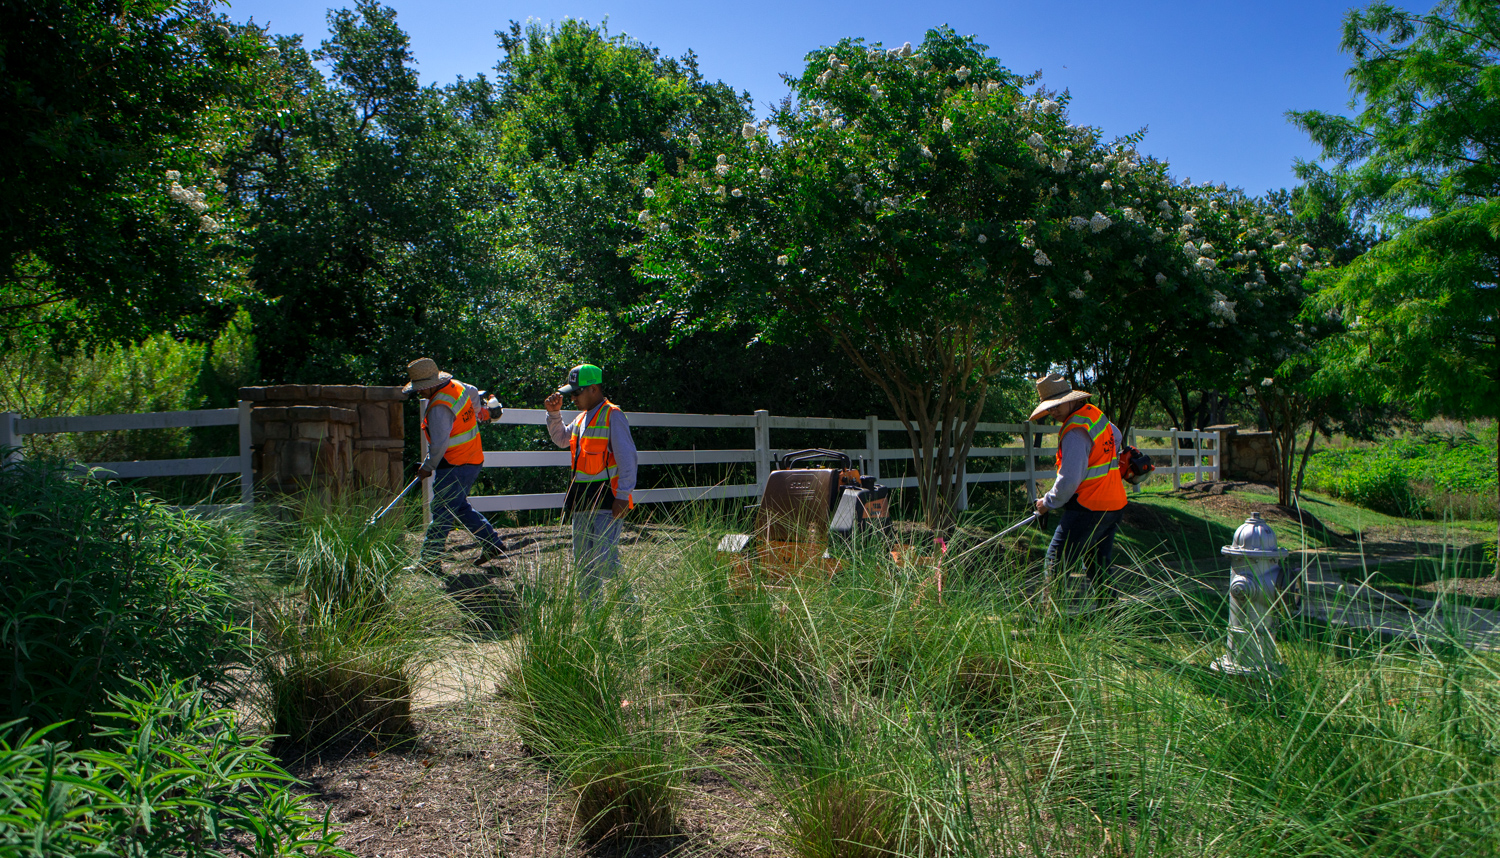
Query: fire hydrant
(1255,568)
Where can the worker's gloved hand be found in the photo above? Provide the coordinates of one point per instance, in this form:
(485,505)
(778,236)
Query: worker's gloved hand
(1041,507)
(619,508)
(423,473)
(553,403)
(484,415)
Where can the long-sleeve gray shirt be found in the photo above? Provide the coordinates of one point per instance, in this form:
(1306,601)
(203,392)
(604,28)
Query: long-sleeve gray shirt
(440,425)
(619,441)
(1075,460)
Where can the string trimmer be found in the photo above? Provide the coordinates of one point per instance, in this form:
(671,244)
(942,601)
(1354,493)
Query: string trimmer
(397,499)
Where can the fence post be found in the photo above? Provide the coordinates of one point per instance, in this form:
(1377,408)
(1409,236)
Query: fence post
(1218,455)
(762,448)
(872,446)
(1198,458)
(247,459)
(1026,434)
(9,437)
(427,483)
(1176,460)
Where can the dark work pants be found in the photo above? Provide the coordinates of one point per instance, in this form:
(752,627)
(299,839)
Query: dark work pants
(450,504)
(1087,538)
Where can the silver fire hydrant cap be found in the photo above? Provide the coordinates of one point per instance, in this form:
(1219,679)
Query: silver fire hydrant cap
(1254,538)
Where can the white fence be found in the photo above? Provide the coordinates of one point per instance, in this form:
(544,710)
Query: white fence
(14,426)
(1176,454)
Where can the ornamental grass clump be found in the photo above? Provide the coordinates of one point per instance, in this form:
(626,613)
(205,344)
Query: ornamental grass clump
(580,696)
(342,631)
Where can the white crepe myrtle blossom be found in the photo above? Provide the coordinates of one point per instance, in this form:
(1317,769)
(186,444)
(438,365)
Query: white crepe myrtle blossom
(765,172)
(1158,235)
(1041,258)
(1267,382)
(992,86)
(1279,246)
(649,193)
(983,238)
(1284,268)
(1088,276)
(947,125)
(1107,185)
(1049,107)
(736,193)
(208,224)
(1077,223)
(1222,308)
(1076,294)
(1160,278)
(747,131)
(694,141)
(1205,263)
(1099,222)
(173,176)
(722,170)
(644,216)
(875,91)
(782,260)
(926,153)
(1096,167)
(906,49)
(1036,141)
(962,74)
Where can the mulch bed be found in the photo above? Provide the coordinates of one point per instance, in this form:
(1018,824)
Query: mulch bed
(464,785)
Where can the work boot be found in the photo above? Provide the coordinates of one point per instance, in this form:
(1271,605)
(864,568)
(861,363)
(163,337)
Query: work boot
(491,551)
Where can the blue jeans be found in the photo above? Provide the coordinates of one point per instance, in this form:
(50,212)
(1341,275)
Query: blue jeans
(596,549)
(450,504)
(1084,537)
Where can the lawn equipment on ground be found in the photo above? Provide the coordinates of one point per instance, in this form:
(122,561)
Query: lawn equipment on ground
(801,509)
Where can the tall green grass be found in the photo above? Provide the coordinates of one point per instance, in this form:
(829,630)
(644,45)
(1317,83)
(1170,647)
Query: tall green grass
(341,629)
(883,720)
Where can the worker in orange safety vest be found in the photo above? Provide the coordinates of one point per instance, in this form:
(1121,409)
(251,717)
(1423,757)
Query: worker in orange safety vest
(603,464)
(455,454)
(1088,488)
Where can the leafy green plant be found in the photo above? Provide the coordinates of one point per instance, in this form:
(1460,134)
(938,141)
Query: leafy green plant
(100,585)
(169,775)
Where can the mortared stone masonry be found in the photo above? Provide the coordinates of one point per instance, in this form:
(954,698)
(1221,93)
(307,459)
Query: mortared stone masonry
(326,436)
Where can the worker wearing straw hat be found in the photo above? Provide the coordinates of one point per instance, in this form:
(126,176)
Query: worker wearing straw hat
(1088,489)
(603,473)
(454,457)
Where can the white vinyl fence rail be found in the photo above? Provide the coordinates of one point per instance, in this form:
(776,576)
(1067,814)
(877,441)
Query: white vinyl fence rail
(14,426)
(1175,453)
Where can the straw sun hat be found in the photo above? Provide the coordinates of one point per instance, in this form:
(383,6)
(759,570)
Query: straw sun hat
(1054,390)
(424,373)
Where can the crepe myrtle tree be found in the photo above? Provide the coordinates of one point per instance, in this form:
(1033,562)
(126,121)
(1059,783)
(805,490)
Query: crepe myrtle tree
(1162,290)
(909,208)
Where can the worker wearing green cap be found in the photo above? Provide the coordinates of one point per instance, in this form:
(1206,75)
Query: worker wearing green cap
(603,470)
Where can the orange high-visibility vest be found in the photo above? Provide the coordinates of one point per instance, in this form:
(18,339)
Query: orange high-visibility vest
(464,447)
(593,457)
(1102,490)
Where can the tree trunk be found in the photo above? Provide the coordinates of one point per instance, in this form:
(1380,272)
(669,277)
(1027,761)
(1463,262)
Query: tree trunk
(1312,436)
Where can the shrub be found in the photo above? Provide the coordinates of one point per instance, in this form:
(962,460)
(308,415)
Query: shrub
(170,775)
(100,585)
(1380,483)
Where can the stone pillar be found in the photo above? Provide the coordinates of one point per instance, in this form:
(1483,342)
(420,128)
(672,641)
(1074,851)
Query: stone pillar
(1249,456)
(327,436)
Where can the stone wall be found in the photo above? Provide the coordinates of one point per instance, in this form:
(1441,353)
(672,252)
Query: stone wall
(327,436)
(1249,456)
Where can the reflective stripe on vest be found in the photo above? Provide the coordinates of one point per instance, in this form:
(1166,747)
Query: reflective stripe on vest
(464,446)
(593,457)
(1102,490)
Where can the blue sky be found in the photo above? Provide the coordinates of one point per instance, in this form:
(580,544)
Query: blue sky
(1210,80)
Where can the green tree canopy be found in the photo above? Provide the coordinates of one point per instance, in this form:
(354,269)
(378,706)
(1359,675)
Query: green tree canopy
(114,121)
(1421,158)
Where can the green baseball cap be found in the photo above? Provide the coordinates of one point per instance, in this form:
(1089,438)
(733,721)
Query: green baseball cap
(582,376)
